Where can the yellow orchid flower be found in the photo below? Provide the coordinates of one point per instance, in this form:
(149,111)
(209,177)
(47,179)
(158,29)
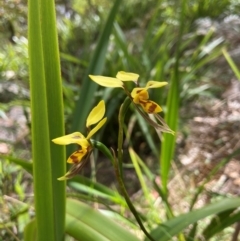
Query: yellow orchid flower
(139,95)
(85,147)
(114,82)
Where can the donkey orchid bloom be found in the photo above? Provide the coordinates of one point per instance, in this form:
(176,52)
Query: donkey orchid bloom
(78,138)
(139,95)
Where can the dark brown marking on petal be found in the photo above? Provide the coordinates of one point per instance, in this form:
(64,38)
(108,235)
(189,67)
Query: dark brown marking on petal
(152,108)
(77,167)
(74,158)
(144,103)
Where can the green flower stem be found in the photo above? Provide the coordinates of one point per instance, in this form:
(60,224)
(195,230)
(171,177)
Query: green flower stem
(122,112)
(128,200)
(118,165)
(101,147)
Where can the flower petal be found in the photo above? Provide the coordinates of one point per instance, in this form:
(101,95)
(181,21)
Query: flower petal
(75,137)
(150,106)
(77,156)
(106,81)
(96,114)
(76,168)
(155,84)
(139,94)
(96,128)
(127,76)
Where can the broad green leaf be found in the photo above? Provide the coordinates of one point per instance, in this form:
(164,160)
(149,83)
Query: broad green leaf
(221,221)
(27,166)
(46,108)
(86,224)
(30,231)
(174,226)
(85,185)
(40,134)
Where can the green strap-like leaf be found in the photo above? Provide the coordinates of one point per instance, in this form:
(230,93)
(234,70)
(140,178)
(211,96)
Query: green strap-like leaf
(176,225)
(86,224)
(96,66)
(30,231)
(47,120)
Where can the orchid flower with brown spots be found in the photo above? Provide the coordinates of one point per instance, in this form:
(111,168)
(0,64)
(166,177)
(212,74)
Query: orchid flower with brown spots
(80,157)
(139,95)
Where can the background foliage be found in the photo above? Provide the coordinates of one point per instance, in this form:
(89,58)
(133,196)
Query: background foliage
(176,41)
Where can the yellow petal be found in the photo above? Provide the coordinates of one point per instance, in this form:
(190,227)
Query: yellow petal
(155,84)
(77,156)
(96,128)
(96,114)
(139,94)
(75,137)
(150,106)
(127,76)
(106,81)
(76,168)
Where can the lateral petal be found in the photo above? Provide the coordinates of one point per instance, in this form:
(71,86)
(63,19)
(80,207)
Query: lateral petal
(155,84)
(106,81)
(127,76)
(96,128)
(96,114)
(75,137)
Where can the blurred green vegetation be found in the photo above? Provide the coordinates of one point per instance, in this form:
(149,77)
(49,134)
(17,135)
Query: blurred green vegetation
(145,39)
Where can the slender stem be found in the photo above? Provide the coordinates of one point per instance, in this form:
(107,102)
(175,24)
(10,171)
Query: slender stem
(236,232)
(101,147)
(118,165)
(121,116)
(128,201)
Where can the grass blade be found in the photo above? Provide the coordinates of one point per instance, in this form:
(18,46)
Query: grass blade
(231,63)
(168,144)
(176,225)
(96,66)
(46,107)
(79,214)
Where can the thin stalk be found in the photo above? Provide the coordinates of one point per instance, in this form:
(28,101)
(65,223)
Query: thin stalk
(118,165)
(101,147)
(128,200)
(121,116)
